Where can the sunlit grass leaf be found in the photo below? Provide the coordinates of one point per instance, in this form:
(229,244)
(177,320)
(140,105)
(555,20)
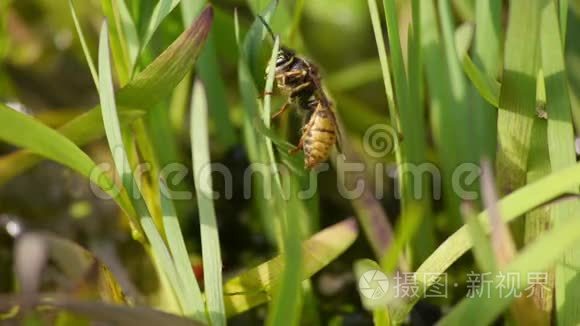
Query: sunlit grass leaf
(561,149)
(501,240)
(161,10)
(118,44)
(482,250)
(512,206)
(253,43)
(154,83)
(210,244)
(255,286)
(195,305)
(114,137)
(354,76)
(539,255)
(48,143)
(518,94)
(287,297)
(130,32)
(486,53)
(487,88)
(254,142)
(86,50)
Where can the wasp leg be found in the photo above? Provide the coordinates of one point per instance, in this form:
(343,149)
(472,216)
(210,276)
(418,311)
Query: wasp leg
(298,88)
(284,108)
(297,149)
(305,131)
(262,95)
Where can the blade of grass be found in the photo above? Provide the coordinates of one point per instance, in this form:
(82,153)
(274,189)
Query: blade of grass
(481,247)
(563,6)
(210,74)
(287,299)
(113,131)
(155,82)
(46,142)
(130,32)
(161,10)
(518,94)
(562,154)
(486,54)
(118,42)
(448,112)
(523,310)
(86,50)
(355,76)
(539,255)
(195,305)
(255,286)
(512,206)
(255,145)
(210,245)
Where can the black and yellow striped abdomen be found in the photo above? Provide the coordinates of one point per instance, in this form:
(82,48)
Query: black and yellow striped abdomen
(319,137)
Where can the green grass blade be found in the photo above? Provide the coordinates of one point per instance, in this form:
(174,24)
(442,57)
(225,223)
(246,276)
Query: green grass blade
(194,305)
(562,154)
(487,87)
(209,72)
(212,263)
(482,251)
(287,299)
(539,255)
(161,10)
(190,10)
(256,285)
(120,158)
(208,69)
(130,32)
(563,6)
(118,43)
(379,38)
(86,50)
(486,54)
(512,206)
(518,94)
(46,142)
(354,76)
(254,142)
(152,84)
(447,105)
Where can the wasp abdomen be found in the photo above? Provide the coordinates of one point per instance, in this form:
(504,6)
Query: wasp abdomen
(319,138)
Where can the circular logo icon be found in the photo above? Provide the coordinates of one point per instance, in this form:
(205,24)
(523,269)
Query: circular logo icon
(373,284)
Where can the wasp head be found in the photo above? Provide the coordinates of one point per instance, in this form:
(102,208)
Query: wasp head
(284,57)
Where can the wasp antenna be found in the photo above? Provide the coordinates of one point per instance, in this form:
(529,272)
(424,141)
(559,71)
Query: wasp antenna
(268,28)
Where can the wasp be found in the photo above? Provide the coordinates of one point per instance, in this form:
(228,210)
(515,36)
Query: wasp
(299,79)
